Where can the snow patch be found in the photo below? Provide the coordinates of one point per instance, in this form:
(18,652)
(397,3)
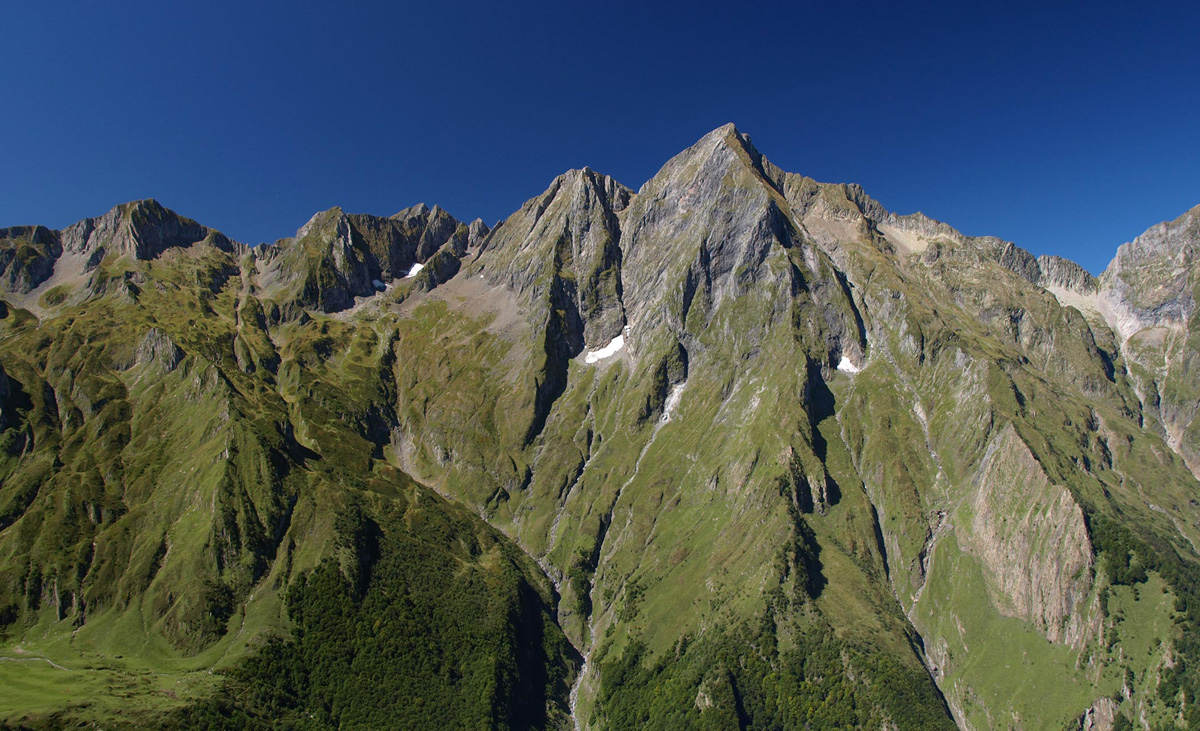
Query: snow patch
(846,366)
(416,269)
(607,351)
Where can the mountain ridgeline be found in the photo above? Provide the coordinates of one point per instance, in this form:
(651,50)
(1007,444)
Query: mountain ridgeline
(737,450)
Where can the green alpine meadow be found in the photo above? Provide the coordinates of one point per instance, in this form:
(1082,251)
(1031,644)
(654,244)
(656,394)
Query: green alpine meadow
(737,450)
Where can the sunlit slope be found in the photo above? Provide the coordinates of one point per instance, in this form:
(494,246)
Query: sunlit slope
(735,450)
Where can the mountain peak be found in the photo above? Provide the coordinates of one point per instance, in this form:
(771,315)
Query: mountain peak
(721,152)
(742,415)
(419,209)
(725,130)
(320,219)
(141,229)
(1148,282)
(730,136)
(141,205)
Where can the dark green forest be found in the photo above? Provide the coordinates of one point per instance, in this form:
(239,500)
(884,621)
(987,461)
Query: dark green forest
(423,620)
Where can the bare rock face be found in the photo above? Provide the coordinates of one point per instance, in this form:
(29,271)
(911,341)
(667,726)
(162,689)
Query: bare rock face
(699,232)
(1100,716)
(410,237)
(562,251)
(429,229)
(158,350)
(336,256)
(389,249)
(713,232)
(27,255)
(1150,282)
(140,230)
(1055,271)
(321,267)
(1031,537)
(437,270)
(560,255)
(477,233)
(922,225)
(1148,296)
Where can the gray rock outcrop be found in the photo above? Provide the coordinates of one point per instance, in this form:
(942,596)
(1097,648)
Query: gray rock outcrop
(1032,540)
(27,255)
(158,350)
(1150,281)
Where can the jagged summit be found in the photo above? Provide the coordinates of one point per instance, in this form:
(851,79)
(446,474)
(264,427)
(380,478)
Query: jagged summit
(834,216)
(419,209)
(741,449)
(37,258)
(1150,282)
(1174,241)
(725,143)
(728,134)
(144,228)
(140,229)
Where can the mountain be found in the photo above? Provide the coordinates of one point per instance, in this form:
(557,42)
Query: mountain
(736,450)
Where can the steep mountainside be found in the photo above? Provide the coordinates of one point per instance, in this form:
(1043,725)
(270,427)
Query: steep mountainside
(736,450)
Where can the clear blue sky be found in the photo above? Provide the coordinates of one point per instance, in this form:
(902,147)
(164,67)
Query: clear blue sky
(1066,127)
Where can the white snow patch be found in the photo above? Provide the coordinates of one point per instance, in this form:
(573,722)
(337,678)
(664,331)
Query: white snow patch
(416,268)
(378,284)
(607,351)
(846,366)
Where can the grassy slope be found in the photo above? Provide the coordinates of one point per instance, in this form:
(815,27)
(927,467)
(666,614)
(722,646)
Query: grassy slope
(187,495)
(762,557)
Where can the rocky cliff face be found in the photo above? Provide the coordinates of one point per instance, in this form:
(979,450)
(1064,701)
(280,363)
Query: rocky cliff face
(1054,271)
(560,252)
(27,255)
(65,265)
(337,257)
(1148,296)
(1149,282)
(782,456)
(141,230)
(1031,539)
(713,249)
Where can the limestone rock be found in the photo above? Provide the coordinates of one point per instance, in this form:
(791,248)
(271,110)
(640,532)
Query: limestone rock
(562,251)
(477,233)
(1054,271)
(1148,295)
(1150,281)
(1100,716)
(429,229)
(159,351)
(1032,540)
(712,245)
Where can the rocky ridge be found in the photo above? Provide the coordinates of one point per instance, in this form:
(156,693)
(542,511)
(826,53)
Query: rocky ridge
(740,418)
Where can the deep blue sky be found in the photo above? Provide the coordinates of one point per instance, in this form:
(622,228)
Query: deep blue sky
(1066,127)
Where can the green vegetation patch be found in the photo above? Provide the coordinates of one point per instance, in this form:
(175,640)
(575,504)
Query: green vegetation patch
(423,618)
(742,679)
